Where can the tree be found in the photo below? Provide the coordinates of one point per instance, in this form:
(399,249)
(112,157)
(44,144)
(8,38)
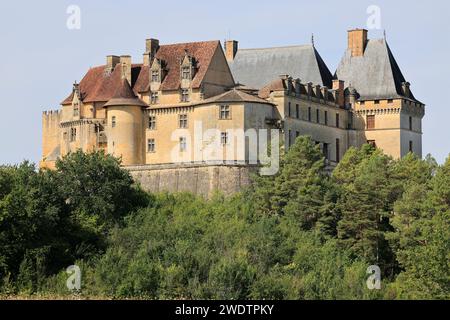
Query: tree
(422,233)
(365,204)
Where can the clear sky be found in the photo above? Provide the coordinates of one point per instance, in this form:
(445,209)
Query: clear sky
(40,57)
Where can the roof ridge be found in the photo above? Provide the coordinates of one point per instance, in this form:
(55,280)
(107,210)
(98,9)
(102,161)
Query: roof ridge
(185,43)
(280,47)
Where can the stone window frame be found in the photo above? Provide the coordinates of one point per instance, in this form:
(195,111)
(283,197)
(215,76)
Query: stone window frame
(225,112)
(183,121)
(76,110)
(151,122)
(370,121)
(73,134)
(154,97)
(224,138)
(151,145)
(184,95)
(183,144)
(155,75)
(186,72)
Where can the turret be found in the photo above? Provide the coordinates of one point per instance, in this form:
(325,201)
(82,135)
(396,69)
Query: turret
(125,127)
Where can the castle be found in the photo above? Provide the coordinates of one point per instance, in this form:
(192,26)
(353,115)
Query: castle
(148,113)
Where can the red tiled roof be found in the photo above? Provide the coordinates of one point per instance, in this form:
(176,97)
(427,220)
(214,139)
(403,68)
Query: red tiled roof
(124,96)
(276,85)
(99,86)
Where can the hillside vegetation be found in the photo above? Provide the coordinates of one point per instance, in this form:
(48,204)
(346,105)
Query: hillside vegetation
(301,234)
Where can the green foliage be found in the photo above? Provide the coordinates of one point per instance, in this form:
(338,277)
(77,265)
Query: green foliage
(301,234)
(48,219)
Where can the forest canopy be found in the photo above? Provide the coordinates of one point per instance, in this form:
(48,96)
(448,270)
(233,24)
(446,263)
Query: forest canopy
(305,233)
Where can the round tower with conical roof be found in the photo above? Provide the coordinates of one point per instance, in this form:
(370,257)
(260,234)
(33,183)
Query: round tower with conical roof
(125,128)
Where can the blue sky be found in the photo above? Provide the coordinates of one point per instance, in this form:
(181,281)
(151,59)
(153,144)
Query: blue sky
(40,57)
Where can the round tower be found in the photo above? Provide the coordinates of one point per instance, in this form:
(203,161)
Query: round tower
(125,127)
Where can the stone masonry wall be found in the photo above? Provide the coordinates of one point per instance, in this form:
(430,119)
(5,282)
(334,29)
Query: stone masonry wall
(200,179)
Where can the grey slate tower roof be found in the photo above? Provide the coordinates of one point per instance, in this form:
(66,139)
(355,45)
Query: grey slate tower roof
(258,67)
(375,75)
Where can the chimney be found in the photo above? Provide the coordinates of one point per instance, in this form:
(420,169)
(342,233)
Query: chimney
(317,91)
(406,90)
(125,62)
(231,48)
(297,84)
(151,47)
(325,93)
(309,89)
(357,40)
(338,86)
(111,62)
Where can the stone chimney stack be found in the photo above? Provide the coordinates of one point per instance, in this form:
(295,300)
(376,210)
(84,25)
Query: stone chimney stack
(151,47)
(338,86)
(406,90)
(111,62)
(125,62)
(357,40)
(231,48)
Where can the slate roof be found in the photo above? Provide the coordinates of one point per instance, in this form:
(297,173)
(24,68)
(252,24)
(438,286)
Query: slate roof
(258,67)
(124,96)
(98,86)
(375,75)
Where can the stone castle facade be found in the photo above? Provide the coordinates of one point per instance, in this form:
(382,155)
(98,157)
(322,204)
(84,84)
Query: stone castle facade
(149,113)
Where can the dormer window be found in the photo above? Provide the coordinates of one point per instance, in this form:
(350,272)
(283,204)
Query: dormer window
(186,73)
(187,68)
(155,76)
(157,71)
(76,110)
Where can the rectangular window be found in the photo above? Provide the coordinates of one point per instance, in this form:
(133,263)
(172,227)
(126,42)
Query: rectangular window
(289,109)
(338,151)
(76,110)
(317,115)
(325,150)
(183,121)
(297,133)
(73,134)
(155,76)
(410,123)
(186,73)
(224,138)
(151,145)
(183,144)
(297,111)
(224,112)
(152,122)
(185,95)
(390,101)
(154,98)
(362,103)
(113,121)
(337,120)
(309,113)
(326,117)
(377,101)
(370,121)
(410,146)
